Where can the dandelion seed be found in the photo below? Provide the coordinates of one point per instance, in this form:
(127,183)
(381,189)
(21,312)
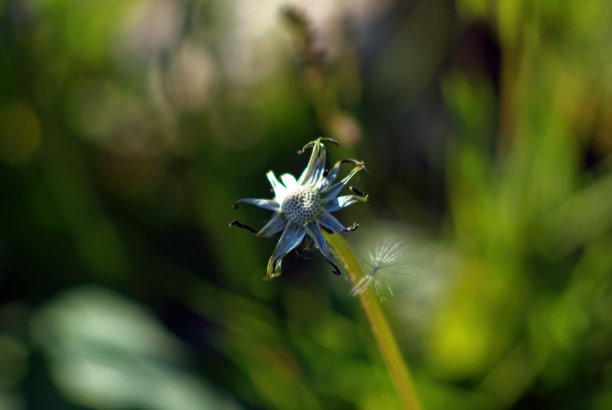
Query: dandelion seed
(387,259)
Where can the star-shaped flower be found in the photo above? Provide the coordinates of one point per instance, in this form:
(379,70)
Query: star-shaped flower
(302,207)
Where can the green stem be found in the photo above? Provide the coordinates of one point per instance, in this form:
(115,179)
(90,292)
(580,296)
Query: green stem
(382,332)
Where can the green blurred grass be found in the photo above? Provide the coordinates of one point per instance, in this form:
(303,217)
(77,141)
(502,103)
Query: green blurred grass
(128,128)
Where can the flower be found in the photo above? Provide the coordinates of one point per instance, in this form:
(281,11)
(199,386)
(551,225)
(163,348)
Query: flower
(302,207)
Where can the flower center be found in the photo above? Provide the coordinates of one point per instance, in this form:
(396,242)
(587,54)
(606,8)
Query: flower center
(302,205)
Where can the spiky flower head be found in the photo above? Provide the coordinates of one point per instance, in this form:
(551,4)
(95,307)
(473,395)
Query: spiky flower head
(303,207)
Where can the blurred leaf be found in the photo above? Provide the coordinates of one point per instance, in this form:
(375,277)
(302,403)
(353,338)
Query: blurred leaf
(107,352)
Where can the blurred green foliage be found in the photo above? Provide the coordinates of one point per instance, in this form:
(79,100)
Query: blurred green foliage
(128,128)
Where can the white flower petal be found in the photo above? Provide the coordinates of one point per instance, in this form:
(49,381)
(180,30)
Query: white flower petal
(291,237)
(313,230)
(340,202)
(289,181)
(333,173)
(332,191)
(269,204)
(331,223)
(274,225)
(279,189)
(316,165)
(331,176)
(315,233)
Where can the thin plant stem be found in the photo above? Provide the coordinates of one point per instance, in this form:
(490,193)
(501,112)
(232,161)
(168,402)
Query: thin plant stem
(382,332)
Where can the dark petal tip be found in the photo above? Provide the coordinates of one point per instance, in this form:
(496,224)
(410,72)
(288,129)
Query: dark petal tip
(333,141)
(357,192)
(335,270)
(351,161)
(312,143)
(305,147)
(326,229)
(360,164)
(237,223)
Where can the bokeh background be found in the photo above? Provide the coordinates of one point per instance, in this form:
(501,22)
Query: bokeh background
(129,127)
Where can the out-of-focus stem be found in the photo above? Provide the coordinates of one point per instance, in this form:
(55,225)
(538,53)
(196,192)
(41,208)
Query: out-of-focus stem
(378,322)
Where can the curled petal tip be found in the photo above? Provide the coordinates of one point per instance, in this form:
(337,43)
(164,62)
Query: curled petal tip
(305,147)
(351,228)
(360,164)
(357,192)
(237,223)
(335,269)
(270,272)
(318,140)
(333,141)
